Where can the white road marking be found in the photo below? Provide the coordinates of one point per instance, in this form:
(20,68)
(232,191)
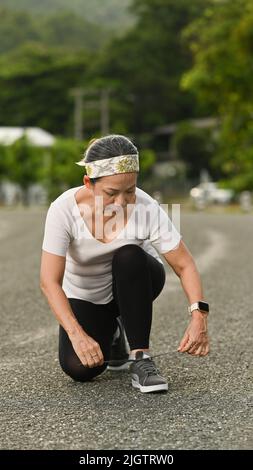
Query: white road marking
(216,250)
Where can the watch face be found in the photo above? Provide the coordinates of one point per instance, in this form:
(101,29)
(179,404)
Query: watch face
(204,306)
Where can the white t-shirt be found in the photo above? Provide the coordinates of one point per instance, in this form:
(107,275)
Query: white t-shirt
(88,268)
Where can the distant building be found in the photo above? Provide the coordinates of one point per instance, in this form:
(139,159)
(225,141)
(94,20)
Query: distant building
(11,193)
(35,136)
(162,135)
(167,164)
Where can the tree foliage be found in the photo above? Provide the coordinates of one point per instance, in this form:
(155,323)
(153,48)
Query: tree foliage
(60,171)
(64,30)
(222,44)
(108,13)
(145,66)
(195,147)
(44,56)
(35,84)
(142,69)
(20,163)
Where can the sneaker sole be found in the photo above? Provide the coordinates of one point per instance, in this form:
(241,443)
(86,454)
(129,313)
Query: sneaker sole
(149,388)
(122,367)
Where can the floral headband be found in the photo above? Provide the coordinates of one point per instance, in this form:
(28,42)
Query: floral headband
(111,166)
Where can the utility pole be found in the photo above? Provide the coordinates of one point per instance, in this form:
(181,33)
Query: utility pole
(78,94)
(104,111)
(101,103)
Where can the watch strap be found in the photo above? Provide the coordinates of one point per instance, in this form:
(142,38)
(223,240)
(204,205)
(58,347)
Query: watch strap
(196,306)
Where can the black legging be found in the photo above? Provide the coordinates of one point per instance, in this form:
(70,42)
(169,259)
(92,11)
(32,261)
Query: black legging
(138,279)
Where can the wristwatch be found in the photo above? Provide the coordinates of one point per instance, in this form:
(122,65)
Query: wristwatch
(201,305)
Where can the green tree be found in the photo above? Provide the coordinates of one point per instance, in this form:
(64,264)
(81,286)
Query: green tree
(71,32)
(4,158)
(195,147)
(147,159)
(59,171)
(65,30)
(16,28)
(222,42)
(145,66)
(22,164)
(35,84)
(110,13)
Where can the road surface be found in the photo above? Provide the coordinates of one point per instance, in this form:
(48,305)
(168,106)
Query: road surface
(209,402)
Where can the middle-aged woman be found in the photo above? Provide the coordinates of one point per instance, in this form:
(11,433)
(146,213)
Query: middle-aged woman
(101,269)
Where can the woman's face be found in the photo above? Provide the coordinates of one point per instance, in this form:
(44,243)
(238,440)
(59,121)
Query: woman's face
(118,190)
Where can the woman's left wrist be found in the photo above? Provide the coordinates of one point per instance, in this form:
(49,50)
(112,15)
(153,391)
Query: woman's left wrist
(197,314)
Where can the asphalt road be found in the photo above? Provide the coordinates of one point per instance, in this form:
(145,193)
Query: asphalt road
(209,402)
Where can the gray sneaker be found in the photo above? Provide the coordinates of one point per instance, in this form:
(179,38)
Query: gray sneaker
(145,375)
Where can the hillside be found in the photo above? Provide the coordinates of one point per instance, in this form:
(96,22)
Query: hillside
(112,14)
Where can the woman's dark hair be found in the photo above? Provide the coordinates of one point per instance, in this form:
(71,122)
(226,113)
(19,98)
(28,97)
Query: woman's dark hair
(107,147)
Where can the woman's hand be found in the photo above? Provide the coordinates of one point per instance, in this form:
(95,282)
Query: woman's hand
(195,340)
(87,349)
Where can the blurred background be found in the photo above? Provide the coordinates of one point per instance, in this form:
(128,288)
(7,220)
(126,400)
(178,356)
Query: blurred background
(174,76)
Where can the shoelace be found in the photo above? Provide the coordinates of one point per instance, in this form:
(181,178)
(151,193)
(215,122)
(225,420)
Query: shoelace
(146,365)
(132,360)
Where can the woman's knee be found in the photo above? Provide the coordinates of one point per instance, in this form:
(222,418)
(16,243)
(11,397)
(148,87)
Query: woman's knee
(80,373)
(131,256)
(158,276)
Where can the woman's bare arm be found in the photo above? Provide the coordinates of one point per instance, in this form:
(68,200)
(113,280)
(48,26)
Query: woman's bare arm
(195,340)
(51,276)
